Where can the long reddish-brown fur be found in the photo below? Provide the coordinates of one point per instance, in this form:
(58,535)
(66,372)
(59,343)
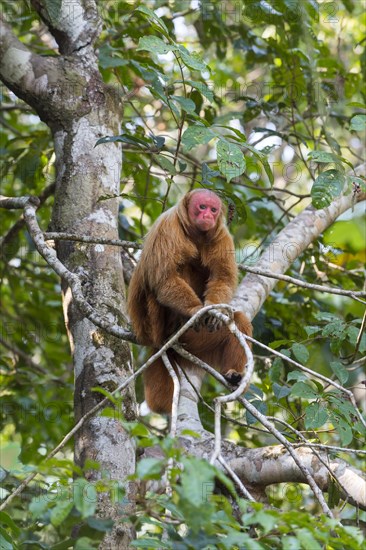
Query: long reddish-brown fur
(180,270)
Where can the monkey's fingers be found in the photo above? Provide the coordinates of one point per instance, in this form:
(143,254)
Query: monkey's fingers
(213,324)
(208,322)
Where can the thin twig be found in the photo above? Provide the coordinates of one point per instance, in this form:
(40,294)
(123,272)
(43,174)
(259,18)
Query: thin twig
(236,479)
(90,239)
(328,381)
(311,481)
(299,282)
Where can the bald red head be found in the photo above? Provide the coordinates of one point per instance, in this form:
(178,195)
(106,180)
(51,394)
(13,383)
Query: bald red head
(204,209)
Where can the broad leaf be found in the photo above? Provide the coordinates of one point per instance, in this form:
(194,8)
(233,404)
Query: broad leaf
(358,123)
(230,159)
(154,44)
(196,135)
(327,186)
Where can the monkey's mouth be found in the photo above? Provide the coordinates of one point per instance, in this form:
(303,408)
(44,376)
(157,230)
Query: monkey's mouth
(205,225)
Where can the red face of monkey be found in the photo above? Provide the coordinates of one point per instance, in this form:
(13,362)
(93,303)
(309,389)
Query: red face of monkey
(204,210)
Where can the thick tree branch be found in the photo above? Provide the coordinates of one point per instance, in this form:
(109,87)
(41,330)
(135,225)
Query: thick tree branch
(24,72)
(289,244)
(277,466)
(75,25)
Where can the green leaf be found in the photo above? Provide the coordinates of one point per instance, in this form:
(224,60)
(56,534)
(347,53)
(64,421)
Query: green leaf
(196,135)
(311,329)
(315,416)
(356,104)
(100,524)
(60,512)
(197,480)
(191,433)
(186,104)
(262,159)
(208,174)
(261,406)
(334,493)
(111,62)
(165,164)
(38,506)
(266,520)
(344,429)
(149,468)
(281,391)
(353,334)
(137,429)
(66,544)
(275,373)
(289,543)
(153,17)
(230,159)
(6,519)
(278,343)
(202,88)
(107,59)
(323,157)
(154,44)
(340,371)
(85,542)
(192,59)
(302,389)
(358,123)
(85,497)
(5,540)
(300,352)
(336,329)
(327,186)
(307,540)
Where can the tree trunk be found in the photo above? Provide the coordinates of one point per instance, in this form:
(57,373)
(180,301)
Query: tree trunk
(68,94)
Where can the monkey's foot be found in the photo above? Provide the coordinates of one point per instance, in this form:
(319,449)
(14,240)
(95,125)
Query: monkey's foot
(233,377)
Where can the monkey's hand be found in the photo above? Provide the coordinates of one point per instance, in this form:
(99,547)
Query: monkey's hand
(210,322)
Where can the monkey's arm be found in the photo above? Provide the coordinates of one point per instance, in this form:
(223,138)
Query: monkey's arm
(218,292)
(174,292)
(223,273)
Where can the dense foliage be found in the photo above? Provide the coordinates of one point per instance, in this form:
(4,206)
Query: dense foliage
(262,101)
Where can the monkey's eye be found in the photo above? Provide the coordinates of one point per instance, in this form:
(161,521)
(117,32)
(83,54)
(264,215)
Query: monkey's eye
(214,210)
(202,206)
